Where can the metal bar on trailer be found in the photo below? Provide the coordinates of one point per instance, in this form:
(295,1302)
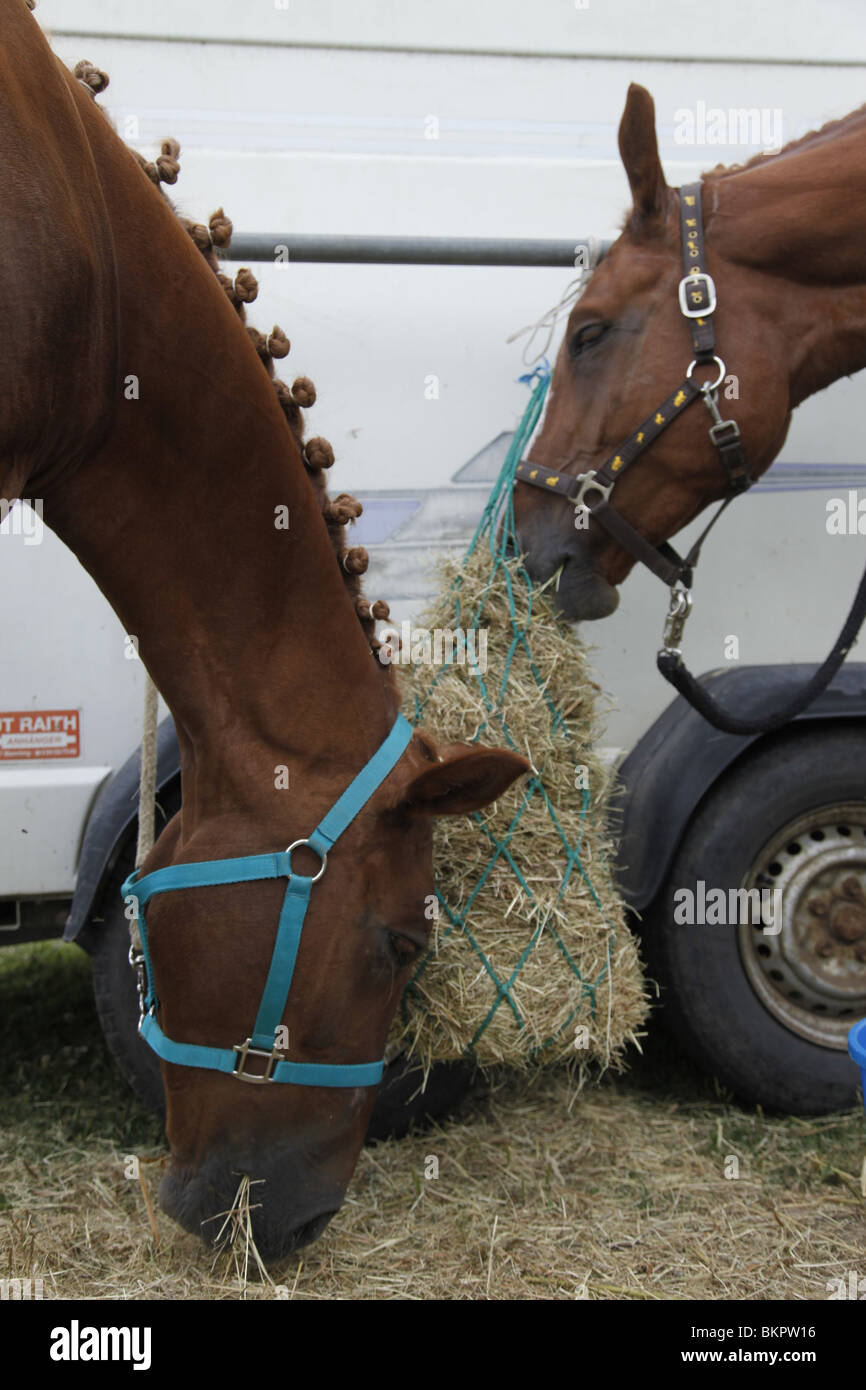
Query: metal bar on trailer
(409,250)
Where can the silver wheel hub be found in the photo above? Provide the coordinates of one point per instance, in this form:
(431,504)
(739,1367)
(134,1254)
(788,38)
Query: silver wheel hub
(811,972)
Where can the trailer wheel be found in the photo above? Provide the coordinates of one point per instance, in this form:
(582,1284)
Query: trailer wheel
(116,994)
(764,1001)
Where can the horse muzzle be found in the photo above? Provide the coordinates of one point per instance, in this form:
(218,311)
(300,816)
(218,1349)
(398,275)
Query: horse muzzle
(288,1205)
(581,594)
(579,591)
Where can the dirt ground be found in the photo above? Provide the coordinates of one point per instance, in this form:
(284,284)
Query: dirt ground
(653,1185)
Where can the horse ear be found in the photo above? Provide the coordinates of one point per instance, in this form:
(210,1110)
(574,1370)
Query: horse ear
(464,779)
(639,152)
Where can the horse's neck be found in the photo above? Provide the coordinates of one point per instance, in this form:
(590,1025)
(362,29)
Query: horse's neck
(798,217)
(245,625)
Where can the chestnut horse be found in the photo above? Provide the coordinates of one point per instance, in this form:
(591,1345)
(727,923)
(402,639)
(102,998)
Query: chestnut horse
(136,407)
(785,252)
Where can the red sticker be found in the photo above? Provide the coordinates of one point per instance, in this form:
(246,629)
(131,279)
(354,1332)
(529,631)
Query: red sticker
(35,733)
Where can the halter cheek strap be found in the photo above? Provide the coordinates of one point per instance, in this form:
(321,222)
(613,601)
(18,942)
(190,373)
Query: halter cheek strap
(261,1043)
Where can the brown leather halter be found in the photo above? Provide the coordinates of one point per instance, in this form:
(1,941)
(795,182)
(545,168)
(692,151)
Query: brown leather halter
(590,493)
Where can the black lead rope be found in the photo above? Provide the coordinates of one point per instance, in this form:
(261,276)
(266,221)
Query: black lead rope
(669,660)
(671,665)
(590,493)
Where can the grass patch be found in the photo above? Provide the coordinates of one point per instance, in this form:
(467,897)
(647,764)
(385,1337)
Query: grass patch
(59,1083)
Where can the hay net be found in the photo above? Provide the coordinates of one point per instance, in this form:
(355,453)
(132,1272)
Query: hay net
(531,960)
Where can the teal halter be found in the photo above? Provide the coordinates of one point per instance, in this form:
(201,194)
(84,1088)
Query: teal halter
(232,1060)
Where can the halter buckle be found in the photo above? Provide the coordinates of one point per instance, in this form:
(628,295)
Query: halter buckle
(678,611)
(588,482)
(245,1050)
(705,287)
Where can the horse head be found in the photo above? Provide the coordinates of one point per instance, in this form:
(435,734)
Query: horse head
(626,348)
(368,921)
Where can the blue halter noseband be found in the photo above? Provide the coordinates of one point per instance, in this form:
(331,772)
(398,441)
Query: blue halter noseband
(232,1060)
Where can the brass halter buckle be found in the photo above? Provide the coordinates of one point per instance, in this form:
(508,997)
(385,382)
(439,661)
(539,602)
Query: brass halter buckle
(245,1050)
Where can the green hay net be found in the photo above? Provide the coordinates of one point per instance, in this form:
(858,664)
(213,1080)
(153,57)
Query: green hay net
(531,960)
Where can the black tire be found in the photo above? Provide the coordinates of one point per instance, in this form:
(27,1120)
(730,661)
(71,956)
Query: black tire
(709,1002)
(116,995)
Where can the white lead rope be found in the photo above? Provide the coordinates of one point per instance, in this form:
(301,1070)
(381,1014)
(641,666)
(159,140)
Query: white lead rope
(147,782)
(146,811)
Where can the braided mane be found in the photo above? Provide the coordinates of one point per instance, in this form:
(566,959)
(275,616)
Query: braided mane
(316,453)
(830,128)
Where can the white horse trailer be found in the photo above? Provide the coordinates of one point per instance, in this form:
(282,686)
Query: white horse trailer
(488,120)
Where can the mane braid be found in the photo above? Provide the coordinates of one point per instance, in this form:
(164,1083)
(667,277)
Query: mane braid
(721,171)
(241,290)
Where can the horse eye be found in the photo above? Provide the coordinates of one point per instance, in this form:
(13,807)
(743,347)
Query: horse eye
(402,949)
(587,336)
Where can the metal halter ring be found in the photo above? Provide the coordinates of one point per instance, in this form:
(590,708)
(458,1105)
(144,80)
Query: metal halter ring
(323,857)
(707,385)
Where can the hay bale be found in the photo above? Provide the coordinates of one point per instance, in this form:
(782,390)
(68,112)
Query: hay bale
(531,960)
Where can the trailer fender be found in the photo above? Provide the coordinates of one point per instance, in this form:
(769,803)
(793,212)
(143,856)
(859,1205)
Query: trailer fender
(666,774)
(113,819)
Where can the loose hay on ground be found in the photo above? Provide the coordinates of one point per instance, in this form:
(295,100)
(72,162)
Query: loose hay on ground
(615,1193)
